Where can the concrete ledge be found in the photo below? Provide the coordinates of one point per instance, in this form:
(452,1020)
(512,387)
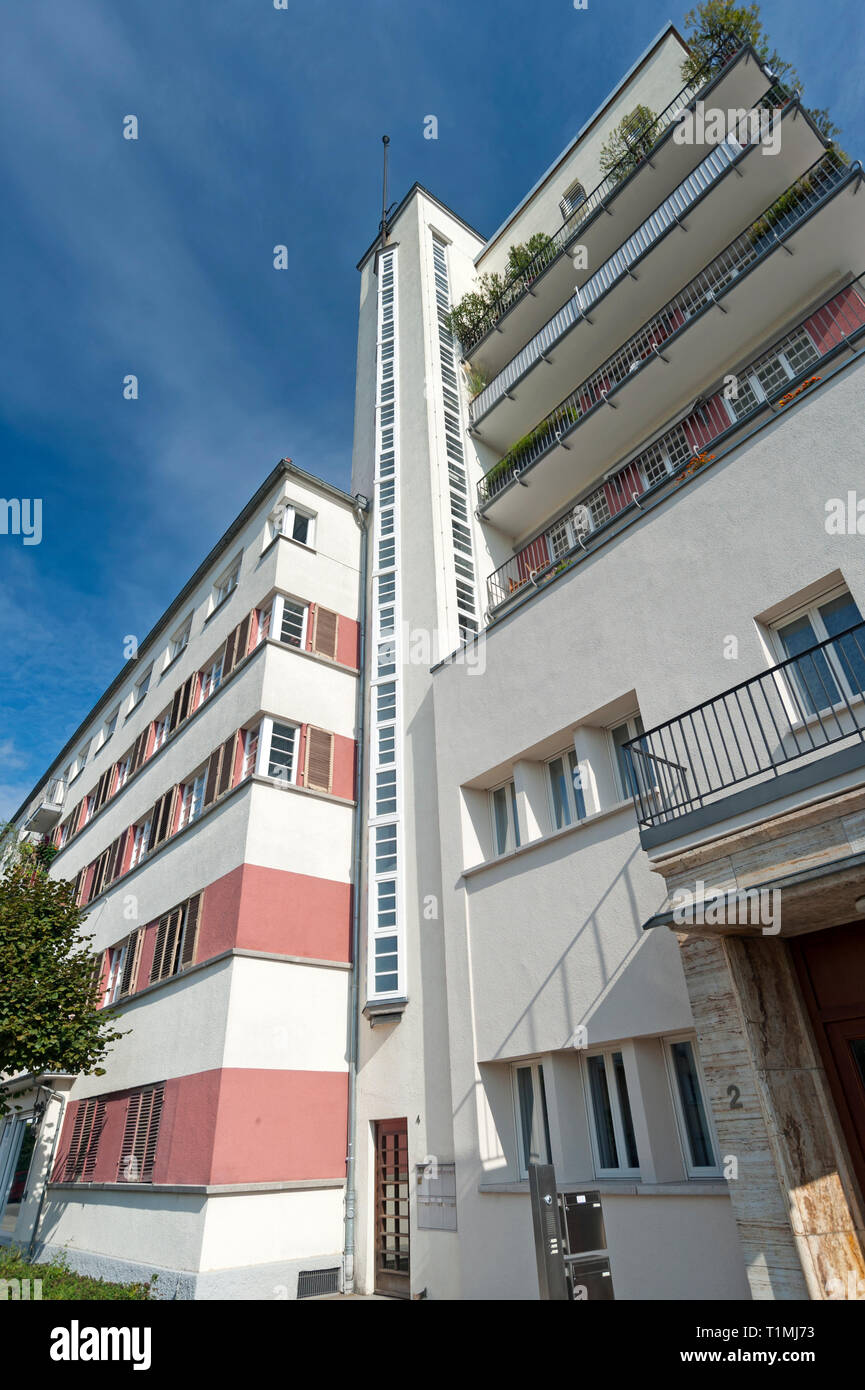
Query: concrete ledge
(612,1187)
(200,1190)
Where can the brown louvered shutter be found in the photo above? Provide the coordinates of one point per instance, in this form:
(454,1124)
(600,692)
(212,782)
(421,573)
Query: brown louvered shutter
(100,794)
(167,937)
(230,649)
(93,1141)
(139,748)
(116,857)
(76,818)
(180,705)
(212,775)
(132,960)
(140,1135)
(163,818)
(192,916)
(226,770)
(318,773)
(236,646)
(79,884)
(86,1129)
(325,632)
(100,869)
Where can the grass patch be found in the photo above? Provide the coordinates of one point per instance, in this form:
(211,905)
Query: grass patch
(61,1283)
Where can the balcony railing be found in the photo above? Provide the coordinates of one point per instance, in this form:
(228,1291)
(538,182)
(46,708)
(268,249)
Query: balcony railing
(520,283)
(753,732)
(707,173)
(759,239)
(47,812)
(780,371)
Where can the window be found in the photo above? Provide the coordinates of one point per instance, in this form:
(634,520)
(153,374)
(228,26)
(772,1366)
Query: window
(176,940)
(122,772)
(824,678)
(385,696)
(612,1129)
(160,729)
(288,520)
(180,640)
(691,1112)
(280,762)
(772,373)
(192,799)
(292,630)
(225,587)
(116,962)
(140,837)
(385,792)
(572,199)
(81,760)
(533,1126)
(110,725)
(141,687)
(506,826)
(566,790)
(211,678)
(385,849)
(619,736)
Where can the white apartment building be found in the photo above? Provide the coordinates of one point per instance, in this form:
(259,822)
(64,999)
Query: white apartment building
(205,808)
(609,512)
(607,615)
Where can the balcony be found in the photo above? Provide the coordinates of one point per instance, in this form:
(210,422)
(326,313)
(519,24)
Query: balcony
(648,267)
(802,243)
(47,813)
(734,79)
(788,729)
(768,383)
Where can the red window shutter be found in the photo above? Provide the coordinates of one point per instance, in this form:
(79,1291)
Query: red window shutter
(74,1141)
(192,917)
(325,630)
(319,760)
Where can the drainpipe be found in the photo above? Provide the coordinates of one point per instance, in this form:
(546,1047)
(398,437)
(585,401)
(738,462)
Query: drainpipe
(360,517)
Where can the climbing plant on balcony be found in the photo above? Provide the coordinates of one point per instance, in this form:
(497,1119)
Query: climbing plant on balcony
(713,20)
(629,143)
(468,319)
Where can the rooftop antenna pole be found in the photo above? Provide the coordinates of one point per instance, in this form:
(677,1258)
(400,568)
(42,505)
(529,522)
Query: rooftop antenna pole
(385,140)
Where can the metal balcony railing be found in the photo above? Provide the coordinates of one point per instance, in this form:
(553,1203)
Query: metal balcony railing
(707,173)
(781,370)
(753,732)
(641,150)
(764,234)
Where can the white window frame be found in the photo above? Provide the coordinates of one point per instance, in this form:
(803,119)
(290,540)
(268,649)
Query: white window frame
(265,739)
(192,798)
(179,640)
(282,522)
(570,761)
(512,833)
(140,836)
(226,584)
(635,727)
(754,381)
(80,760)
(109,726)
(160,730)
(793,701)
(248,735)
(623,1170)
(123,765)
(116,961)
(541,1137)
(713,1170)
(211,678)
(276,619)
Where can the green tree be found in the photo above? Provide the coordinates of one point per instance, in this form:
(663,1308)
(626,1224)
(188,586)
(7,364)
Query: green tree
(713,20)
(49,1020)
(626,145)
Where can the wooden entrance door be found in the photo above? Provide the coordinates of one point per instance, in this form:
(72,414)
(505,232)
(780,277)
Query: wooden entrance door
(391,1208)
(830,965)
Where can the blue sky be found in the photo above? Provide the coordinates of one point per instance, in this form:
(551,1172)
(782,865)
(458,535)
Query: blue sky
(257,127)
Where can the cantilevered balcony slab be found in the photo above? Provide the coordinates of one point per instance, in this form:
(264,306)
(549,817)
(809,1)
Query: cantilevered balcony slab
(819,251)
(610,221)
(572,344)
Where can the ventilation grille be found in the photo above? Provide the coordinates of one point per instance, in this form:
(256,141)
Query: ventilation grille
(312,1283)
